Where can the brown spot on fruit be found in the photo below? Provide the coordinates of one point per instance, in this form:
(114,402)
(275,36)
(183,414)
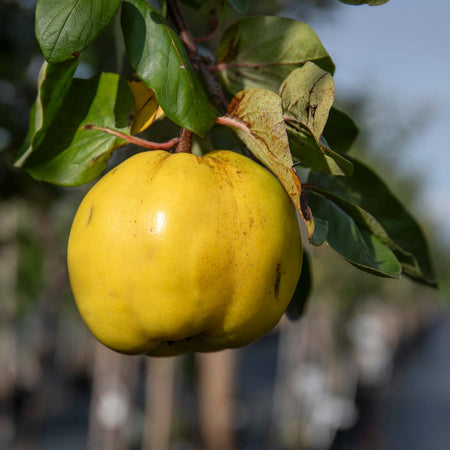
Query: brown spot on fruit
(276,287)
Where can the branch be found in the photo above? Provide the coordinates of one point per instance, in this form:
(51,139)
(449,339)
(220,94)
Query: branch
(135,140)
(188,40)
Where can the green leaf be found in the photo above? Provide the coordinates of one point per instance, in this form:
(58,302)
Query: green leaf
(72,152)
(29,136)
(356,244)
(297,304)
(262,51)
(365,2)
(308,94)
(66,27)
(241,6)
(54,82)
(257,118)
(340,131)
(304,150)
(159,59)
(370,202)
(320,232)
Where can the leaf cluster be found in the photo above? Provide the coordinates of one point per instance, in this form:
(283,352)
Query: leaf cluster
(269,79)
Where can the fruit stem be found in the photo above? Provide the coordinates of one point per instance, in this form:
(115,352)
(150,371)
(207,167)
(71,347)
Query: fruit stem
(137,141)
(184,142)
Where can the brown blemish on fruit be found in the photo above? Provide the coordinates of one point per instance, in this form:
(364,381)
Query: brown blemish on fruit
(276,287)
(209,162)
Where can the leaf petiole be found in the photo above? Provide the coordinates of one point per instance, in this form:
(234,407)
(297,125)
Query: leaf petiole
(229,122)
(135,140)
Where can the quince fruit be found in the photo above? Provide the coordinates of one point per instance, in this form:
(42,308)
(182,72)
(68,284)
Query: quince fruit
(171,253)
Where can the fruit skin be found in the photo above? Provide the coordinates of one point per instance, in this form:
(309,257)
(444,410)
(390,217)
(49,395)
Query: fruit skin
(170,253)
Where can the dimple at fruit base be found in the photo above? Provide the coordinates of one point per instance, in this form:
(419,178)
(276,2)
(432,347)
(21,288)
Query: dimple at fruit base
(170,253)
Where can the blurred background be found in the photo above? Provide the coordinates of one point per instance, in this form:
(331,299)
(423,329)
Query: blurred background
(368,365)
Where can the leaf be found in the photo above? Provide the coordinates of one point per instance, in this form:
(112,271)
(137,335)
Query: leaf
(261,51)
(320,232)
(146,108)
(304,150)
(308,94)
(297,304)
(29,136)
(340,131)
(72,152)
(66,27)
(356,244)
(159,59)
(241,6)
(53,83)
(364,2)
(257,118)
(369,201)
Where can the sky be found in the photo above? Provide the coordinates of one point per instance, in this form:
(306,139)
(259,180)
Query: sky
(399,54)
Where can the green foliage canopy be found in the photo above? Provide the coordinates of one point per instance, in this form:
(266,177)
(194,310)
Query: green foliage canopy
(274,79)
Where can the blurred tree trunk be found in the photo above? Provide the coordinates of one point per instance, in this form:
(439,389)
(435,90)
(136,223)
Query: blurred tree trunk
(114,378)
(8,341)
(39,386)
(216,372)
(287,424)
(160,380)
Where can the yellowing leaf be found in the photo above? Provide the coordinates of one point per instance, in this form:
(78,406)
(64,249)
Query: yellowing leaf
(256,116)
(307,95)
(146,107)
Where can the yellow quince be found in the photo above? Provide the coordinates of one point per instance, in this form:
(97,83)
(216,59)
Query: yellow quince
(170,253)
